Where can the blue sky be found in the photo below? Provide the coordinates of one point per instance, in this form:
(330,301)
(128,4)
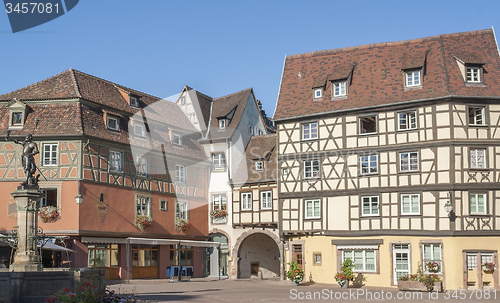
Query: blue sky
(217,47)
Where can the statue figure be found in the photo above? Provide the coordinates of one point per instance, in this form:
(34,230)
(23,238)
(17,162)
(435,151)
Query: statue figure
(30,149)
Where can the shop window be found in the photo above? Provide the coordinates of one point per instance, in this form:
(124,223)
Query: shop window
(102,255)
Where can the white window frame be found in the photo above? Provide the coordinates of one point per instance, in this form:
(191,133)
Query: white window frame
(115,163)
(222,123)
(371,204)
(250,130)
(13,115)
(432,246)
(315,206)
(141,132)
(366,170)
(246,201)
(308,131)
(266,200)
(318,93)
(411,201)
(52,159)
(219,157)
(219,202)
(475,158)
(339,88)
(141,166)
(413,78)
(134,101)
(176,139)
(181,210)
(163,204)
(413,161)
(259,165)
(477,116)
(180,173)
(116,121)
(474,208)
(473,74)
(314,171)
(143,206)
(410,120)
(364,251)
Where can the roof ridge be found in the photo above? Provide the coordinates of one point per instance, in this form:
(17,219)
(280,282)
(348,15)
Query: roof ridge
(72,72)
(189,87)
(385,44)
(233,94)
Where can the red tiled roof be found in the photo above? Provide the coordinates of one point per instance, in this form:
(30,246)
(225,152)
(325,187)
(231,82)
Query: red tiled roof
(259,148)
(378,79)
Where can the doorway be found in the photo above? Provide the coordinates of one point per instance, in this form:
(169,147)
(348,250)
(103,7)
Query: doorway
(254,269)
(400,261)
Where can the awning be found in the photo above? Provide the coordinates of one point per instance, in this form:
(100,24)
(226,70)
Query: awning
(103,240)
(52,246)
(149,241)
(354,247)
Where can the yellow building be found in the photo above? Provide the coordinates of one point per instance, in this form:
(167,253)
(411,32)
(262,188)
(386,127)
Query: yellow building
(388,154)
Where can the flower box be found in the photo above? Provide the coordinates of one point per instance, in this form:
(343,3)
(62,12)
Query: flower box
(48,214)
(219,220)
(143,222)
(182,224)
(418,286)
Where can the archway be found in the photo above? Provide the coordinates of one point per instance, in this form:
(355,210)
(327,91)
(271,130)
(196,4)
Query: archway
(223,254)
(258,251)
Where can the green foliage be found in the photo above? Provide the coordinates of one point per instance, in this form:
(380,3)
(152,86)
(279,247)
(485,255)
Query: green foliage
(295,273)
(428,280)
(346,272)
(88,293)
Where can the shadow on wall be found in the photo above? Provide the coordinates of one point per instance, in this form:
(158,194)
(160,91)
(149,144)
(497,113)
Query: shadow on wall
(359,281)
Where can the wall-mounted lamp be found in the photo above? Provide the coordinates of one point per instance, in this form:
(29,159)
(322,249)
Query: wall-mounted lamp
(79,199)
(448,207)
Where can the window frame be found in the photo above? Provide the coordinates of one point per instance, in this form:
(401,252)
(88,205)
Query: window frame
(222,124)
(143,206)
(250,130)
(220,202)
(313,215)
(163,204)
(472,68)
(112,161)
(314,261)
(312,176)
(360,125)
(411,74)
(440,261)
(112,118)
(409,170)
(178,140)
(485,158)
(369,164)
(44,197)
(364,270)
(483,115)
(411,212)
(310,128)
(315,93)
(362,204)
(219,167)
(51,151)
(259,165)
(408,125)
(135,103)
(180,173)
(139,165)
(141,133)
(485,203)
(21,116)
(266,200)
(109,248)
(184,211)
(248,200)
(338,85)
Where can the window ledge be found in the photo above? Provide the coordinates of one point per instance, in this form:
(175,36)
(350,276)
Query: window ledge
(479,125)
(306,140)
(368,134)
(313,218)
(410,88)
(339,98)
(369,216)
(411,215)
(246,210)
(479,169)
(266,208)
(317,99)
(407,130)
(475,84)
(368,175)
(312,179)
(479,215)
(409,172)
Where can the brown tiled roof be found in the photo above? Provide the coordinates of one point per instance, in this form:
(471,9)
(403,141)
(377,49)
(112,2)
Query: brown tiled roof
(378,79)
(413,60)
(205,104)
(470,58)
(259,148)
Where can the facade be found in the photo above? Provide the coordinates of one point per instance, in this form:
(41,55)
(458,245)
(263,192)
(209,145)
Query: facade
(228,124)
(374,141)
(129,155)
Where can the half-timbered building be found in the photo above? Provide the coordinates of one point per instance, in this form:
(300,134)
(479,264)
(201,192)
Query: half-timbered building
(389,155)
(128,155)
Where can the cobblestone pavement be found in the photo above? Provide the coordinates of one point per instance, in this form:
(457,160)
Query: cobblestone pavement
(254,290)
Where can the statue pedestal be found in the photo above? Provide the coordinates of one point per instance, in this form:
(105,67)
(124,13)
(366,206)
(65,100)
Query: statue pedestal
(27,257)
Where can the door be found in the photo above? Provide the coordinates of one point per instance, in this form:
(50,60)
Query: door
(472,281)
(254,269)
(400,261)
(297,255)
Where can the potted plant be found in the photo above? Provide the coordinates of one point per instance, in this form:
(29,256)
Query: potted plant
(143,222)
(49,214)
(345,275)
(181,224)
(488,266)
(218,213)
(295,273)
(432,266)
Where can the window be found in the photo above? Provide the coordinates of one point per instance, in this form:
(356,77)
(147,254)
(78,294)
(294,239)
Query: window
(102,255)
(408,161)
(471,261)
(222,124)
(410,204)
(339,89)
(112,123)
(50,154)
(250,130)
(17,118)
(143,206)
(407,120)
(476,115)
(313,209)
(134,101)
(141,165)
(317,258)
(260,132)
(370,206)
(163,205)
(477,158)
(364,260)
(266,200)
(474,74)
(259,165)
(138,130)
(285,171)
(432,253)
(413,78)
(144,255)
(183,100)
(115,161)
(477,203)
(246,201)
(186,255)
(369,164)
(180,173)
(368,125)
(181,210)
(311,169)
(219,202)
(49,197)
(219,161)
(176,139)
(310,131)
(318,92)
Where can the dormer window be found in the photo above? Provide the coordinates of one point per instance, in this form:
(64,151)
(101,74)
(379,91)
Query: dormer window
(471,67)
(139,130)
(177,139)
(339,89)
(413,78)
(112,123)
(474,74)
(17,118)
(17,113)
(222,124)
(318,92)
(134,101)
(259,165)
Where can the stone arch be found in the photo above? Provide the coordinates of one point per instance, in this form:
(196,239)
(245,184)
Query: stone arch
(243,237)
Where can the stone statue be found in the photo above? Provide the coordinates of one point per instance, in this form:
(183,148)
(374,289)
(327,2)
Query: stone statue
(30,149)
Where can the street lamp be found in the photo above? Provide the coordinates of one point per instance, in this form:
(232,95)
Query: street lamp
(79,199)
(448,207)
